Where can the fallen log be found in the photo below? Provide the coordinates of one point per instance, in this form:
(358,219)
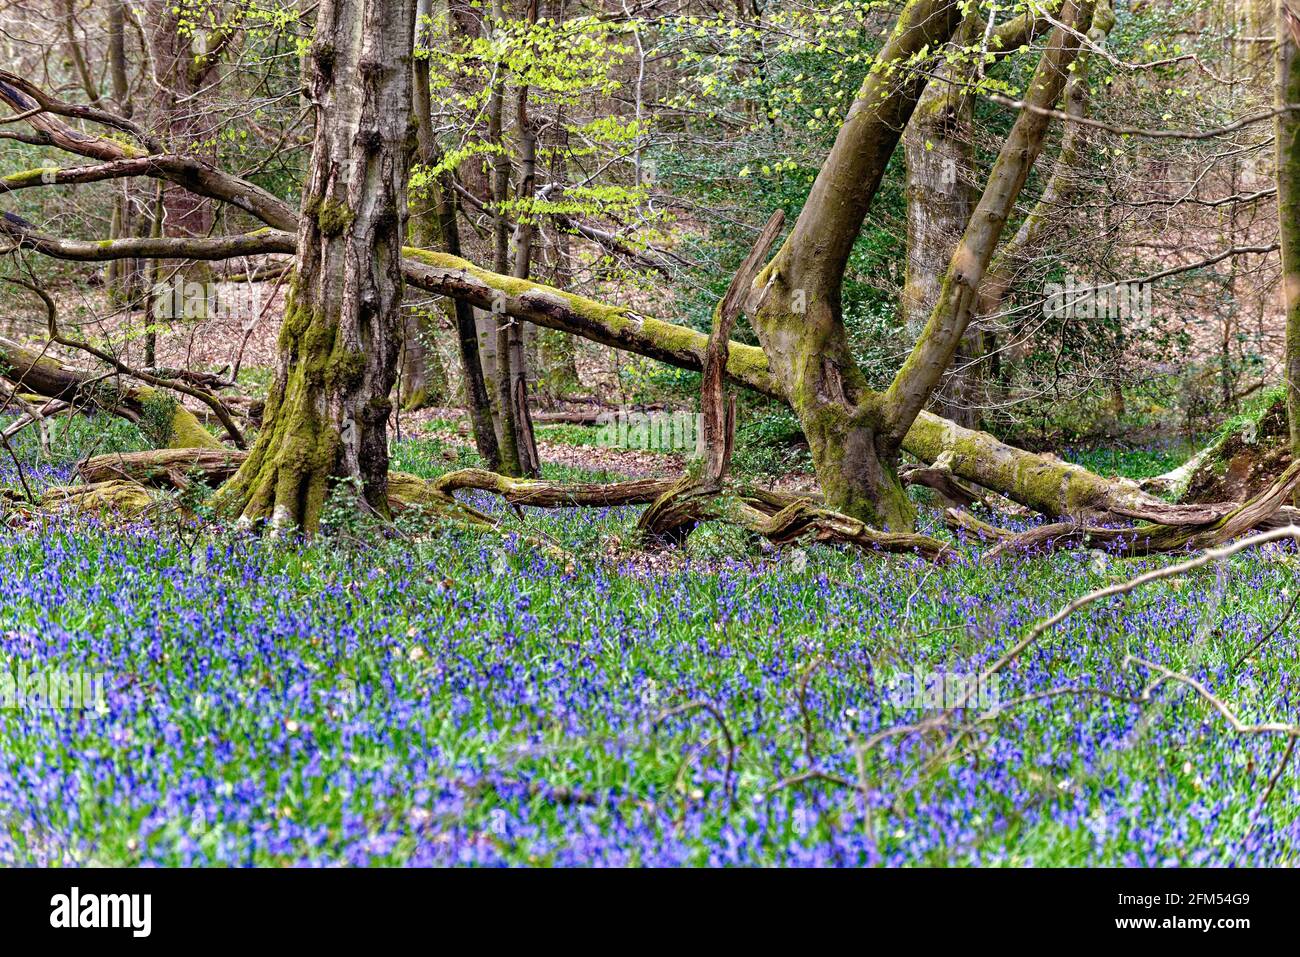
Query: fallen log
(1051,487)
(164,468)
(128,499)
(543,494)
(42,374)
(1145,538)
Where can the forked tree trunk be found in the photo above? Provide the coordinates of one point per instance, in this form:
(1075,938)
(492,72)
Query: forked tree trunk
(799,322)
(854,433)
(327,411)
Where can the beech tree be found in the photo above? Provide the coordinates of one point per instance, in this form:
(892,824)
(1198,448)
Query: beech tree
(326,418)
(1288,198)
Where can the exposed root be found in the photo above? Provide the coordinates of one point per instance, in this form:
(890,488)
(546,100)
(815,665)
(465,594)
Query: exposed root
(677,506)
(675,514)
(803,519)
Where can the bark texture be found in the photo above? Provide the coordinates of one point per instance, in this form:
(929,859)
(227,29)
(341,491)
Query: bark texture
(327,411)
(1288,198)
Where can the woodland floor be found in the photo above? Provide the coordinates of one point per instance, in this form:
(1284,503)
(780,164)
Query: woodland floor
(465,697)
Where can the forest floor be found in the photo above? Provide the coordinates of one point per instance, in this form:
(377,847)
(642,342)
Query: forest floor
(464,697)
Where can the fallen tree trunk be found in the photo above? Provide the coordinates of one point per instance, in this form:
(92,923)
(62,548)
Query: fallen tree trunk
(1042,483)
(164,468)
(173,425)
(1141,539)
(543,494)
(1038,482)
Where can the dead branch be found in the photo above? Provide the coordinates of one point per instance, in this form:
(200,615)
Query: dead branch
(207,398)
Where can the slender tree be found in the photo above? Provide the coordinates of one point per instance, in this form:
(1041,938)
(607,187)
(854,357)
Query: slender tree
(1288,198)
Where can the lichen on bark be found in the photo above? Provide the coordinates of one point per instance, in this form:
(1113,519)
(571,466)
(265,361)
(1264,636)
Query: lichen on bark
(326,414)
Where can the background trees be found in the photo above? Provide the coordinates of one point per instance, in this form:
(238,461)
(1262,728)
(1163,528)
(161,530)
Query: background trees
(1124,280)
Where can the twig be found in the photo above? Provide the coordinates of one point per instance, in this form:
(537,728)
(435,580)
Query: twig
(712,709)
(1277,626)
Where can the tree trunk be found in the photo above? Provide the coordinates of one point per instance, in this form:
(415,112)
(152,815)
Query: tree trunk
(186,68)
(423,378)
(516,395)
(423,373)
(118,274)
(472,363)
(507,426)
(940,175)
(941,172)
(855,434)
(1288,200)
(800,323)
(327,411)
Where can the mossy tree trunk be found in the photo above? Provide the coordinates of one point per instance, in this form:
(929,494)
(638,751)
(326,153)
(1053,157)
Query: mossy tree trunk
(854,433)
(423,376)
(1288,199)
(327,411)
(800,324)
(160,416)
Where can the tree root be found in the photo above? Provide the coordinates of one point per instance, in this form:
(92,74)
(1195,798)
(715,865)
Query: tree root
(678,505)
(803,519)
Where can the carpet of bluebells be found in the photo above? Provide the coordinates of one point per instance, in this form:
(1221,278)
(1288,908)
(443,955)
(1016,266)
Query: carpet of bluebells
(466,698)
